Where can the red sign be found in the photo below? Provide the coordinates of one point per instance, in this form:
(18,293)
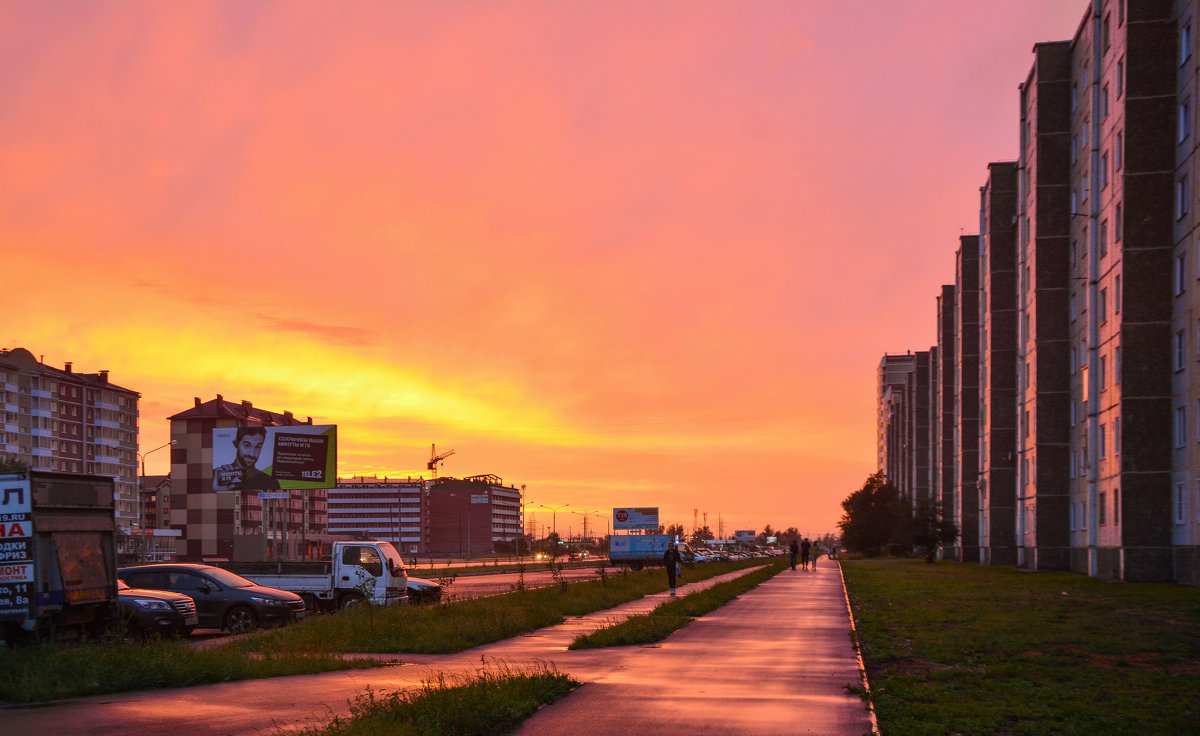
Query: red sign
(622,515)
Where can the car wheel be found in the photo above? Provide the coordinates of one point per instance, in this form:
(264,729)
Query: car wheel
(241,620)
(311,604)
(349,601)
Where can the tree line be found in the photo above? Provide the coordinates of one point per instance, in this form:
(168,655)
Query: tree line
(878,519)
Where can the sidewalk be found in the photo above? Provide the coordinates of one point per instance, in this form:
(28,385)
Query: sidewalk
(776,660)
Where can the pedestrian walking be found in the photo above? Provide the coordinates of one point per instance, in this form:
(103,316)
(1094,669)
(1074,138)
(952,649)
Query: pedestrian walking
(673,562)
(816,552)
(794,550)
(805,551)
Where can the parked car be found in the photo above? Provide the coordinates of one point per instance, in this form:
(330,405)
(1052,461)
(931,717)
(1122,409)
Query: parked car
(224,600)
(149,612)
(421,590)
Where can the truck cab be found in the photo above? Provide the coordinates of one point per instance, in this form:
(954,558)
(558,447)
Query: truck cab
(374,569)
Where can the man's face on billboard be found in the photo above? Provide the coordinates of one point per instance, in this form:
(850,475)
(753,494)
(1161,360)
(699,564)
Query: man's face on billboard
(248,450)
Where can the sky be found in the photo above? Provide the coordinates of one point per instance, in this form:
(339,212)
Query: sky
(618,253)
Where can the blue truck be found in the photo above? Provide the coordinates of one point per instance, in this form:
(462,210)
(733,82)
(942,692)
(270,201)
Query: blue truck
(639,550)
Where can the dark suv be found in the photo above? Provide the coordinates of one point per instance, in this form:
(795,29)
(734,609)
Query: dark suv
(223,600)
(149,612)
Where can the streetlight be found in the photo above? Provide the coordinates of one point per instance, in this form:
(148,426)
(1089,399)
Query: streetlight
(553,517)
(585,515)
(142,490)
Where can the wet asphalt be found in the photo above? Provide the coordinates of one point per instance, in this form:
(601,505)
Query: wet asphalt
(778,659)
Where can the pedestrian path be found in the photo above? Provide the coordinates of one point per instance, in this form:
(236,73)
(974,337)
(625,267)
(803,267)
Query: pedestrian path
(775,660)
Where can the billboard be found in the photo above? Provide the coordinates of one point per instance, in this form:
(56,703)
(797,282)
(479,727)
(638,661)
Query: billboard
(274,458)
(631,518)
(745,535)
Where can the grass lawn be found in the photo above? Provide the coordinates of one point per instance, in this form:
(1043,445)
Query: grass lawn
(953,648)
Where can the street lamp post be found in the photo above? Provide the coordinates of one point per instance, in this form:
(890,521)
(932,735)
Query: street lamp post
(553,520)
(141,491)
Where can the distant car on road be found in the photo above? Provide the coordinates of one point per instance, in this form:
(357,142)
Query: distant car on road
(223,600)
(421,590)
(150,612)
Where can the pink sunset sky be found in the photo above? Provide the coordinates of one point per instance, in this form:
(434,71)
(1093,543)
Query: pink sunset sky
(622,253)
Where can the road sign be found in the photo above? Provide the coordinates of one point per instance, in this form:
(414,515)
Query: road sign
(274,495)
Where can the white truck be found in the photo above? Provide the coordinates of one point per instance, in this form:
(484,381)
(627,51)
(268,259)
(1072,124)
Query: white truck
(359,571)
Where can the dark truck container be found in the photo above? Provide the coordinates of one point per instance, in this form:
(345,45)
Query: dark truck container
(58,564)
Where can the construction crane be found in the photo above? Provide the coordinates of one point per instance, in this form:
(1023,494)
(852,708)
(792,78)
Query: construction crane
(435,459)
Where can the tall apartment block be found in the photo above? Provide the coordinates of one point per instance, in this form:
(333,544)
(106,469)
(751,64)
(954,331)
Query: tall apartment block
(375,508)
(236,525)
(966,369)
(891,379)
(997,366)
(1087,375)
(60,420)
(947,389)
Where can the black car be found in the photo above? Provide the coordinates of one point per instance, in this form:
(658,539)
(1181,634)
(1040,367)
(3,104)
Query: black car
(223,600)
(149,612)
(421,590)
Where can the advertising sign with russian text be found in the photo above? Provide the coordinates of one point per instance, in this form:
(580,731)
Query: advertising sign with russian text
(635,518)
(259,458)
(16,549)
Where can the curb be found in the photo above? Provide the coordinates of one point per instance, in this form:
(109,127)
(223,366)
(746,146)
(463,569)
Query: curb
(862,669)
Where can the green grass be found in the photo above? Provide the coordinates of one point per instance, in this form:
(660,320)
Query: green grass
(460,625)
(493,701)
(965,649)
(673,615)
(45,672)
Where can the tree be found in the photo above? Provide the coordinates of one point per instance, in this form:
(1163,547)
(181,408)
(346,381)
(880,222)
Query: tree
(765,534)
(703,534)
(930,528)
(675,530)
(12,465)
(874,516)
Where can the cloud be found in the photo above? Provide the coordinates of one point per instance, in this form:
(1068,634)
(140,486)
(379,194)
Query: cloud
(335,334)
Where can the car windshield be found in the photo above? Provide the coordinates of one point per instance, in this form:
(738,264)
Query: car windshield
(228,579)
(390,553)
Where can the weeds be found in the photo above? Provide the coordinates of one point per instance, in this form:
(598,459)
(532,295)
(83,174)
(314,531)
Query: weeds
(492,701)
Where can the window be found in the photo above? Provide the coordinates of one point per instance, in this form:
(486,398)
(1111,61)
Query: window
(1120,77)
(1116,506)
(1104,103)
(1118,222)
(1103,305)
(1180,274)
(1185,120)
(1074,465)
(1185,42)
(1119,150)
(1116,439)
(1083,137)
(1074,310)
(1182,193)
(1179,350)
(1106,32)
(1102,509)
(1104,170)
(1074,149)
(1180,503)
(1180,426)
(1074,412)
(1074,97)
(1117,295)
(1074,358)
(1103,238)
(1103,375)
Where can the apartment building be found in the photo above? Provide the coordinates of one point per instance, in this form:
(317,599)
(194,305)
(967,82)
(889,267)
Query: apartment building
(947,389)
(61,420)
(997,365)
(1087,314)
(891,379)
(217,525)
(378,508)
(469,516)
(966,405)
